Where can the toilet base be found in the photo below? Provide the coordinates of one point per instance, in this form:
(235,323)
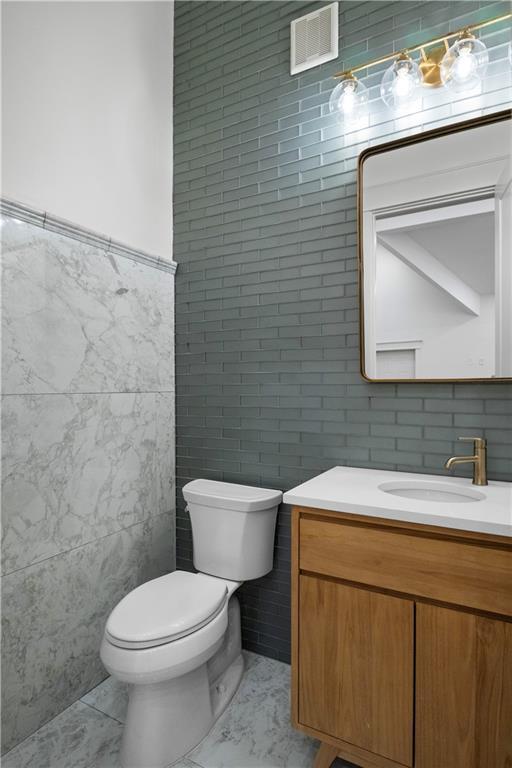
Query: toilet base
(166,720)
(226,686)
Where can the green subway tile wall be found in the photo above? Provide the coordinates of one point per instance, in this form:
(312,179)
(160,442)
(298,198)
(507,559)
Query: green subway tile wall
(268,385)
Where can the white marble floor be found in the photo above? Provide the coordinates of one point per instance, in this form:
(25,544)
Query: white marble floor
(253,732)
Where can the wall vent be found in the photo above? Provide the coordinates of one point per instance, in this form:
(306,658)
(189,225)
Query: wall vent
(314,39)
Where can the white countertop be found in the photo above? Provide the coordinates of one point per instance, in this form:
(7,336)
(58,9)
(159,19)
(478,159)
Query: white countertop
(356,490)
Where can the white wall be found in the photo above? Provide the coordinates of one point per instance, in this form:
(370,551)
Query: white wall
(87,115)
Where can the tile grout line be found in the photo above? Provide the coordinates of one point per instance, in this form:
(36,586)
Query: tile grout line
(81,546)
(105,392)
(101,712)
(33,734)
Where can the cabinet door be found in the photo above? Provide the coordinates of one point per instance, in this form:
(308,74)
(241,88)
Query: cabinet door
(356,666)
(463,690)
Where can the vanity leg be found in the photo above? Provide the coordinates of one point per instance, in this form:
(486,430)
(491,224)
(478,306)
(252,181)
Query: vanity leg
(325,756)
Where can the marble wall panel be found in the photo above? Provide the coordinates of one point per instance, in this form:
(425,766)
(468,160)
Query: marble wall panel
(165,451)
(87,458)
(159,532)
(78,319)
(75,468)
(53,618)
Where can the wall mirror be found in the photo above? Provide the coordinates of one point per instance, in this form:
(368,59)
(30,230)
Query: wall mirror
(435,254)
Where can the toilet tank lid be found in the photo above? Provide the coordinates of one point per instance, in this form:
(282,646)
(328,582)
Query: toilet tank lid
(243,498)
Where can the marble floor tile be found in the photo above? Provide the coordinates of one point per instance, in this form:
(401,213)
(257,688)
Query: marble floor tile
(255,730)
(186,764)
(109,697)
(77,738)
(80,737)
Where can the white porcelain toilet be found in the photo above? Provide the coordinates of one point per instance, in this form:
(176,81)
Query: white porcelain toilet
(176,639)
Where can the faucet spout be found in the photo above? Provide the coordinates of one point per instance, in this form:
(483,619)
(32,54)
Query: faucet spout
(478,459)
(451,462)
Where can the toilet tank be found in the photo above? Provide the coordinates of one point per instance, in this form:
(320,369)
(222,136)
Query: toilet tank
(233,528)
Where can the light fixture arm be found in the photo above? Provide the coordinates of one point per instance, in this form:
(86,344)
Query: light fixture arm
(435,41)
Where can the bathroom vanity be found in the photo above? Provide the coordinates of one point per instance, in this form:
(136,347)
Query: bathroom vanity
(402,619)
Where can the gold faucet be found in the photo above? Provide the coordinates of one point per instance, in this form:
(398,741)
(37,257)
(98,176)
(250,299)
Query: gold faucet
(479,459)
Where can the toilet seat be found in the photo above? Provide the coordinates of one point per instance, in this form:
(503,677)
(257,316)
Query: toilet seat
(166,609)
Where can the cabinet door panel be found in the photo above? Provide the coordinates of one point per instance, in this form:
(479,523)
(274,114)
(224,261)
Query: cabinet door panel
(463,690)
(356,666)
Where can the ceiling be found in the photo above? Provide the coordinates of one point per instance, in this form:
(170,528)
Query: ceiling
(465,245)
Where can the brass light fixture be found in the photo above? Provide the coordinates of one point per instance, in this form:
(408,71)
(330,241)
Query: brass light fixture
(430,66)
(460,67)
(401,82)
(349,100)
(464,64)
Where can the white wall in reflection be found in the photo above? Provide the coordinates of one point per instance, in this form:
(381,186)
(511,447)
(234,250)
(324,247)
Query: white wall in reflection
(437,257)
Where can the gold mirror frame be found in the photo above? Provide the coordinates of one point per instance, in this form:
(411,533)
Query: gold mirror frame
(477,122)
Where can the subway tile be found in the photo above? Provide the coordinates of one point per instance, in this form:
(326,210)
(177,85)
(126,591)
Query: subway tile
(295,253)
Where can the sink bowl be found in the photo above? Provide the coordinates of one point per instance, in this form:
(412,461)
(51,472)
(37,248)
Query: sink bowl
(432,492)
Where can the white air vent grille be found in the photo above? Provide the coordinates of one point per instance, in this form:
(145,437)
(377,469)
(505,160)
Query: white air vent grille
(314,39)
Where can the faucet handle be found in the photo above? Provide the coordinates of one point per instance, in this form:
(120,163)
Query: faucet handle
(478,441)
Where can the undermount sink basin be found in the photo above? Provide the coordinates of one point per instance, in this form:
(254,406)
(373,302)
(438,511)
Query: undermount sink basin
(437,492)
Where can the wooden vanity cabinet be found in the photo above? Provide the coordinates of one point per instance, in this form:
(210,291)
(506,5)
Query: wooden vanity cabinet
(463,689)
(401,642)
(356,666)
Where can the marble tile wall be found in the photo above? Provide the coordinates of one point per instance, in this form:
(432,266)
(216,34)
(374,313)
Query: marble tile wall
(87,458)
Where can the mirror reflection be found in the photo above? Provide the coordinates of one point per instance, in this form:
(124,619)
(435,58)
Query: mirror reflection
(436,251)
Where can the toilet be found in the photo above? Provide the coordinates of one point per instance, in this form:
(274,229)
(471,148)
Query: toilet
(176,640)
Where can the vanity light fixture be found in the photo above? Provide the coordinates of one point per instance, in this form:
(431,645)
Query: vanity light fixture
(460,68)
(349,100)
(401,82)
(464,64)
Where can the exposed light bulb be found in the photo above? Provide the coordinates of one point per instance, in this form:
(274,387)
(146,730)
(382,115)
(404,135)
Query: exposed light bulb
(464,64)
(349,101)
(404,84)
(401,82)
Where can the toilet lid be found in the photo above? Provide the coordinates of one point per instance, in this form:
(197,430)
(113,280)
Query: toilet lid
(241,498)
(165,609)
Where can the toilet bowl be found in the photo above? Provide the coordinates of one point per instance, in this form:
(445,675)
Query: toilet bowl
(176,640)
